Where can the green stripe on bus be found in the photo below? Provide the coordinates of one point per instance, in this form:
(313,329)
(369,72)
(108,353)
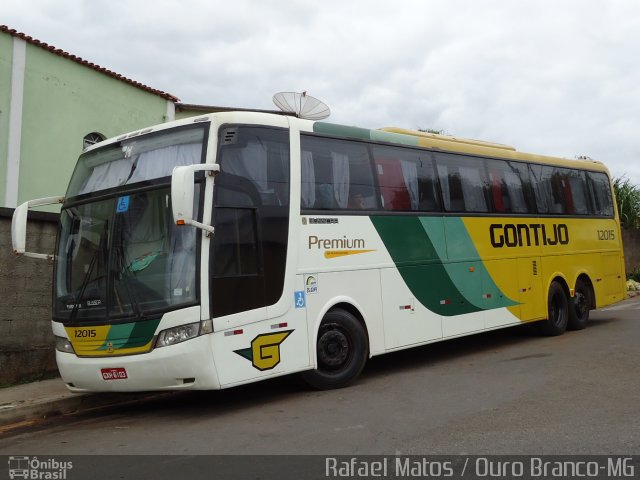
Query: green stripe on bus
(341,131)
(390,137)
(420,266)
(336,130)
(418,247)
(130,335)
(118,335)
(482,291)
(142,333)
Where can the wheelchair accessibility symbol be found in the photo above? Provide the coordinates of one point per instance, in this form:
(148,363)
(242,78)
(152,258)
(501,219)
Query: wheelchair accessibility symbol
(299,299)
(123,204)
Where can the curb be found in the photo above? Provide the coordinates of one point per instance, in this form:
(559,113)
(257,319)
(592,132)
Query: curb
(20,413)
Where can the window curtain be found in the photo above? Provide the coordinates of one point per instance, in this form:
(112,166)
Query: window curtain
(514,188)
(108,175)
(578,188)
(308,187)
(148,165)
(443,173)
(410,174)
(474,200)
(340,163)
(160,163)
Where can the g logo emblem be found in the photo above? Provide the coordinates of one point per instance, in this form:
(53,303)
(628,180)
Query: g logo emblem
(264,353)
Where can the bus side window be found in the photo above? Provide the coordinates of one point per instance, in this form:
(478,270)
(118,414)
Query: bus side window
(235,242)
(499,192)
(577,182)
(393,189)
(406,179)
(601,193)
(335,173)
(507,189)
(260,157)
(465,187)
(308,181)
(541,180)
(317,189)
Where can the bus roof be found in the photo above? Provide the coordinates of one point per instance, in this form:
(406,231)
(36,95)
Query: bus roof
(392,135)
(448,143)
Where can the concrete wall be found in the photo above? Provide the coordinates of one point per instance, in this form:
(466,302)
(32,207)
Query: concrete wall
(631,245)
(26,342)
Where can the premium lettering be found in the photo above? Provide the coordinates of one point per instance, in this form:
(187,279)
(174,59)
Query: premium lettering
(528,234)
(335,243)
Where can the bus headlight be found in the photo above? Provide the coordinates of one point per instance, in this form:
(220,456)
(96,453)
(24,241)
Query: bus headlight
(64,345)
(174,335)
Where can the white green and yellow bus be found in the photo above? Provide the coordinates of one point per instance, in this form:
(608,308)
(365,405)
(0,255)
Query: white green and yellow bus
(239,246)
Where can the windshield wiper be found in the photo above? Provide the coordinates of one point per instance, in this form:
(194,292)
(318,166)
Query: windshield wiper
(134,165)
(87,277)
(123,267)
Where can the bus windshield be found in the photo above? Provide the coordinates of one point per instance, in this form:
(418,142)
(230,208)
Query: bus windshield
(123,257)
(120,255)
(136,160)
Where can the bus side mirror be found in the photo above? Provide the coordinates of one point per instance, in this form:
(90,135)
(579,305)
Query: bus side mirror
(19,226)
(182,188)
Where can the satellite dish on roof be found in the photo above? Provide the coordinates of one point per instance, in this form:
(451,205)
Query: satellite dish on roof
(301,105)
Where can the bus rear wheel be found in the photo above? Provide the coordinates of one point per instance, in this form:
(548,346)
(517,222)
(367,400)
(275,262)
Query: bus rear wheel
(580,306)
(341,349)
(558,311)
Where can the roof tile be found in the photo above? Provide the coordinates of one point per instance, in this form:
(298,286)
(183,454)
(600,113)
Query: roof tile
(81,61)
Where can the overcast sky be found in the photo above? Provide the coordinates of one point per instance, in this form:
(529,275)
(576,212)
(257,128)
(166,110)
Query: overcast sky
(558,77)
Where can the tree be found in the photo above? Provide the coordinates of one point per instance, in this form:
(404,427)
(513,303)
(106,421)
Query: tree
(628,201)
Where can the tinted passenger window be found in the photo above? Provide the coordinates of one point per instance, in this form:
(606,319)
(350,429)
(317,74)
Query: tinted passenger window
(509,185)
(257,160)
(574,185)
(463,182)
(406,178)
(601,193)
(235,242)
(336,174)
(547,198)
(560,190)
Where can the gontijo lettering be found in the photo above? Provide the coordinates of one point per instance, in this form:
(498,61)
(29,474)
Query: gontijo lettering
(527,234)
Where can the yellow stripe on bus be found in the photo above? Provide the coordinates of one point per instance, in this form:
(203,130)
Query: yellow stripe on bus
(343,253)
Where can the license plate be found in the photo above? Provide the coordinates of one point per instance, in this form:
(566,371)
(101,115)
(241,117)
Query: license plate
(114,374)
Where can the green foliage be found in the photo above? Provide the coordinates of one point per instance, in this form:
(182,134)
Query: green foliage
(635,275)
(628,200)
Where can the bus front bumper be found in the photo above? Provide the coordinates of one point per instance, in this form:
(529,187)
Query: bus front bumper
(184,366)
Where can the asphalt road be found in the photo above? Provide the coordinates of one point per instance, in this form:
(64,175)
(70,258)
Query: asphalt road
(505,392)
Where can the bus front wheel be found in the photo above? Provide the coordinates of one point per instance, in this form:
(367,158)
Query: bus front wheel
(558,311)
(341,349)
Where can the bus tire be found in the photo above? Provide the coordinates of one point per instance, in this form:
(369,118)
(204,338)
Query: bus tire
(558,311)
(342,349)
(580,305)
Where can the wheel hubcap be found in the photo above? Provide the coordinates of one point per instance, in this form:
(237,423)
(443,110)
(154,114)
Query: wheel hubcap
(333,348)
(580,303)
